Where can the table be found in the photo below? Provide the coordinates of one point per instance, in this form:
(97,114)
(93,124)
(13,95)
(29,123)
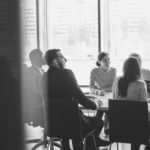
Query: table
(104,99)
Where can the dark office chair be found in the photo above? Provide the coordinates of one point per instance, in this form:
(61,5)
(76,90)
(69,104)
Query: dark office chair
(34,116)
(128,121)
(33,112)
(64,121)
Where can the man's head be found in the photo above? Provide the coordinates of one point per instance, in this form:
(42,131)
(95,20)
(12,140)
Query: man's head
(136,56)
(54,57)
(36,58)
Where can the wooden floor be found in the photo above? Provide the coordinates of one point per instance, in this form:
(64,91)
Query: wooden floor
(32,133)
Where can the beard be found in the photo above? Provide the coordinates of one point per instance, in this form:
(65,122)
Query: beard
(61,65)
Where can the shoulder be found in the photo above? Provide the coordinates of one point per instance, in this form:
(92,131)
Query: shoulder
(145,70)
(145,73)
(96,69)
(139,83)
(142,82)
(111,69)
(66,71)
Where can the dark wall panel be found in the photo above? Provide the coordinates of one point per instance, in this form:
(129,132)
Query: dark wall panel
(10,97)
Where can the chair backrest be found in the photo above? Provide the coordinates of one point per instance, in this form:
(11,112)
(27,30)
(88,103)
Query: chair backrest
(128,121)
(63,118)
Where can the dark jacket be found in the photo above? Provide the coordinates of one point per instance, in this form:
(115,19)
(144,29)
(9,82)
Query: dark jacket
(61,83)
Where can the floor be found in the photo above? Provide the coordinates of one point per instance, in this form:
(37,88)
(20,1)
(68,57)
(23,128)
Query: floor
(36,132)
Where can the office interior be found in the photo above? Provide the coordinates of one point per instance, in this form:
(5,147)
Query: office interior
(80,28)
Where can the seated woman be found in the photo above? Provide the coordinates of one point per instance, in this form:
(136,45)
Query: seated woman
(130,85)
(103,76)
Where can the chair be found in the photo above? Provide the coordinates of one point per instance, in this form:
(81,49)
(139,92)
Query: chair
(64,122)
(128,121)
(33,112)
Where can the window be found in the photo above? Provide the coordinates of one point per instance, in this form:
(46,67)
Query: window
(126,29)
(72,26)
(29,27)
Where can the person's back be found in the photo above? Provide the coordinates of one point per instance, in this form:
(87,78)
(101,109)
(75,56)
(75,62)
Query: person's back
(61,83)
(136,90)
(58,83)
(130,86)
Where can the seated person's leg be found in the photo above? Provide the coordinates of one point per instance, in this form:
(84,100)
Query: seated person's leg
(95,123)
(106,123)
(77,144)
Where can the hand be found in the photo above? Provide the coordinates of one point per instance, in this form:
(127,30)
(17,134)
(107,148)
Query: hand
(99,104)
(102,93)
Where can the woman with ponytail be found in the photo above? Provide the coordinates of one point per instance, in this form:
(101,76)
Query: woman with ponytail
(130,85)
(103,76)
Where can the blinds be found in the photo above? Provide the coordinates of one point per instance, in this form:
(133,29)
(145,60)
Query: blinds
(6,21)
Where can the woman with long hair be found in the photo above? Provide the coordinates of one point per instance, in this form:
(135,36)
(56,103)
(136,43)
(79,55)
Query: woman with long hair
(130,85)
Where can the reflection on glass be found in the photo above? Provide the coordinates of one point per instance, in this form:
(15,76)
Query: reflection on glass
(29,26)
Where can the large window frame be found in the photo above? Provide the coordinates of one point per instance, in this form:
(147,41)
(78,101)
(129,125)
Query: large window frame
(104,37)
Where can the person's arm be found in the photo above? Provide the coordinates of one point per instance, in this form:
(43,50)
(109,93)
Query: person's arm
(144,92)
(76,92)
(92,79)
(115,88)
(94,89)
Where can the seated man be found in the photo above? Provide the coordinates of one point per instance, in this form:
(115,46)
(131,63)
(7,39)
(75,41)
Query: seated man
(61,83)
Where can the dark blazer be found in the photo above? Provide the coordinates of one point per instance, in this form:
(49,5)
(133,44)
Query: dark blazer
(61,83)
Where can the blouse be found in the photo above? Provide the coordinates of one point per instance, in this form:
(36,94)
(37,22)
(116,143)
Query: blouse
(100,79)
(137,90)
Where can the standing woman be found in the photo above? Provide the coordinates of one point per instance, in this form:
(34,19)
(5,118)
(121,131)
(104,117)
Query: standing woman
(103,76)
(130,86)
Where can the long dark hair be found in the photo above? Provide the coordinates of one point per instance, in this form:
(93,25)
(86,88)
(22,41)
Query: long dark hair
(131,72)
